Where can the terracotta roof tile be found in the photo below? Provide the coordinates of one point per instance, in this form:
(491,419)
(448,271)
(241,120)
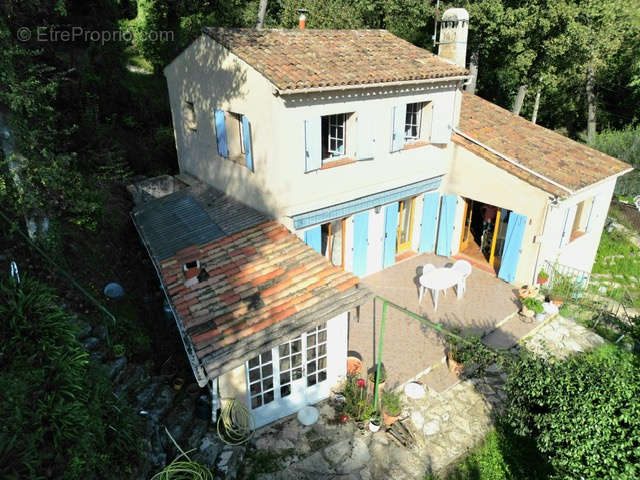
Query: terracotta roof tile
(543,151)
(298,59)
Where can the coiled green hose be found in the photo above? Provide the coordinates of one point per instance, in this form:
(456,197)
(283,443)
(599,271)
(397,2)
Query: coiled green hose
(236,423)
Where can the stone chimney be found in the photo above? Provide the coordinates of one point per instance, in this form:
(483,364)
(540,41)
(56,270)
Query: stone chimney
(454,28)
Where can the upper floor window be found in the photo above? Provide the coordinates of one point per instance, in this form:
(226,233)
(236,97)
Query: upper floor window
(413,121)
(334,135)
(190,116)
(233,136)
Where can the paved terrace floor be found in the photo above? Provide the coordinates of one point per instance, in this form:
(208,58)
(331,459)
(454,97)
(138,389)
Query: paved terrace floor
(409,347)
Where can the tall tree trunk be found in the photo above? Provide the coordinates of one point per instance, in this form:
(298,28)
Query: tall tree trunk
(536,106)
(473,70)
(262,10)
(517,105)
(591,105)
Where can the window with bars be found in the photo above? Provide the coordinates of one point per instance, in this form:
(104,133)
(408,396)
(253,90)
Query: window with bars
(334,129)
(413,121)
(261,380)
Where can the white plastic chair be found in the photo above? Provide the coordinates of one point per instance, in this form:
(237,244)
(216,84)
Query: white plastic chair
(427,267)
(464,268)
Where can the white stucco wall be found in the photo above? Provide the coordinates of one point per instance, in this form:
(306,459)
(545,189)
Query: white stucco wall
(301,192)
(212,78)
(581,252)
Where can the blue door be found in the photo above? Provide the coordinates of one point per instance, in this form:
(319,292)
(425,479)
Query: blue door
(390,233)
(429,222)
(313,238)
(512,246)
(445,227)
(360,243)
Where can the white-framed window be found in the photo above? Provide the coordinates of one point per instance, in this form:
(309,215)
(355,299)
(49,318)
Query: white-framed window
(189,113)
(413,122)
(336,142)
(261,387)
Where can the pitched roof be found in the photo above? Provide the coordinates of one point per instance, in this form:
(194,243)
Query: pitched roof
(262,285)
(554,156)
(299,59)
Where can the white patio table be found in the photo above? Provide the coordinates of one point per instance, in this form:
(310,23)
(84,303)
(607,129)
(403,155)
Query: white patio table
(440,279)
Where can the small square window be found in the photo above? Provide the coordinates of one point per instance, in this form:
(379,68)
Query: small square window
(189,113)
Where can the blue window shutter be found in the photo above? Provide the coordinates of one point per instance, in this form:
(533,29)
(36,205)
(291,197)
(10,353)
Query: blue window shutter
(512,246)
(567,226)
(390,234)
(441,119)
(246,136)
(312,144)
(398,121)
(360,243)
(221,134)
(446,224)
(429,222)
(365,141)
(313,238)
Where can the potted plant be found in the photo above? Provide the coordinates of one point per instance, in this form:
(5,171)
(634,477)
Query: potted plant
(531,306)
(391,407)
(375,421)
(556,298)
(543,277)
(383,378)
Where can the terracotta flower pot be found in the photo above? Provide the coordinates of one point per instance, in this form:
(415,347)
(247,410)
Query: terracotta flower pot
(542,281)
(389,419)
(354,365)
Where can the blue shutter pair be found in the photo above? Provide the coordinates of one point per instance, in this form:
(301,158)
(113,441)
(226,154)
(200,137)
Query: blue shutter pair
(221,135)
(364,147)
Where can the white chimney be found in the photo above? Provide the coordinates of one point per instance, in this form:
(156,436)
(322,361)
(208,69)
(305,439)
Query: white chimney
(454,29)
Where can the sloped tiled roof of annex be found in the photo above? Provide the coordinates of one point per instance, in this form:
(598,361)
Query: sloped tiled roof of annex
(264,285)
(299,59)
(544,151)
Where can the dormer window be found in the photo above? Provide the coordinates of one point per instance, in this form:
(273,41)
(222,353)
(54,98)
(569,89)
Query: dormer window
(190,116)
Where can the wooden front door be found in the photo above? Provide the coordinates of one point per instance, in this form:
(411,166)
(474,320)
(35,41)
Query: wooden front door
(405,224)
(466,235)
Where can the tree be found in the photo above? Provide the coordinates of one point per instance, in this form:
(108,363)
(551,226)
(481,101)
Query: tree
(583,412)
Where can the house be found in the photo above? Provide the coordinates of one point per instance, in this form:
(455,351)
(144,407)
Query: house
(366,149)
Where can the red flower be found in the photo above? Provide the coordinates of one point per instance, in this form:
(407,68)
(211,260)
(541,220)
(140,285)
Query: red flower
(343,418)
(361,383)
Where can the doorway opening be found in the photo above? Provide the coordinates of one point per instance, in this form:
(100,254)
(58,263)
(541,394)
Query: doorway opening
(484,230)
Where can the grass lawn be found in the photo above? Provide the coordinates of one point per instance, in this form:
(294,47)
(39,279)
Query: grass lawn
(502,456)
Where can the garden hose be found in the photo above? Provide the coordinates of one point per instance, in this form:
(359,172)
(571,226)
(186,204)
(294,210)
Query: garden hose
(235,424)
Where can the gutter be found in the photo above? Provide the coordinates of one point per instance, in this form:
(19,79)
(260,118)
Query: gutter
(290,91)
(513,162)
(196,366)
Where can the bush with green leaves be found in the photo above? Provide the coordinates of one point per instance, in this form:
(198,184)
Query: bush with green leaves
(58,415)
(583,412)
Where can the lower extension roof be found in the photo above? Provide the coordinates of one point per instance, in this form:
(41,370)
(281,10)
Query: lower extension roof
(261,284)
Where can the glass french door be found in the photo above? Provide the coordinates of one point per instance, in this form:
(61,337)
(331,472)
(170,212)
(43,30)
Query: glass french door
(405,224)
(289,376)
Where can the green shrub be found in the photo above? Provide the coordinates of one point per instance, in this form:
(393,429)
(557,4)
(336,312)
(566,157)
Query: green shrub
(583,412)
(58,415)
(533,304)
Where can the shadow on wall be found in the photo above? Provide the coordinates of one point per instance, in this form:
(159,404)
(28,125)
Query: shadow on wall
(210,77)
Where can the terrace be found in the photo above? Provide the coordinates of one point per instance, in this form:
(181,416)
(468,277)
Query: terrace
(410,348)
